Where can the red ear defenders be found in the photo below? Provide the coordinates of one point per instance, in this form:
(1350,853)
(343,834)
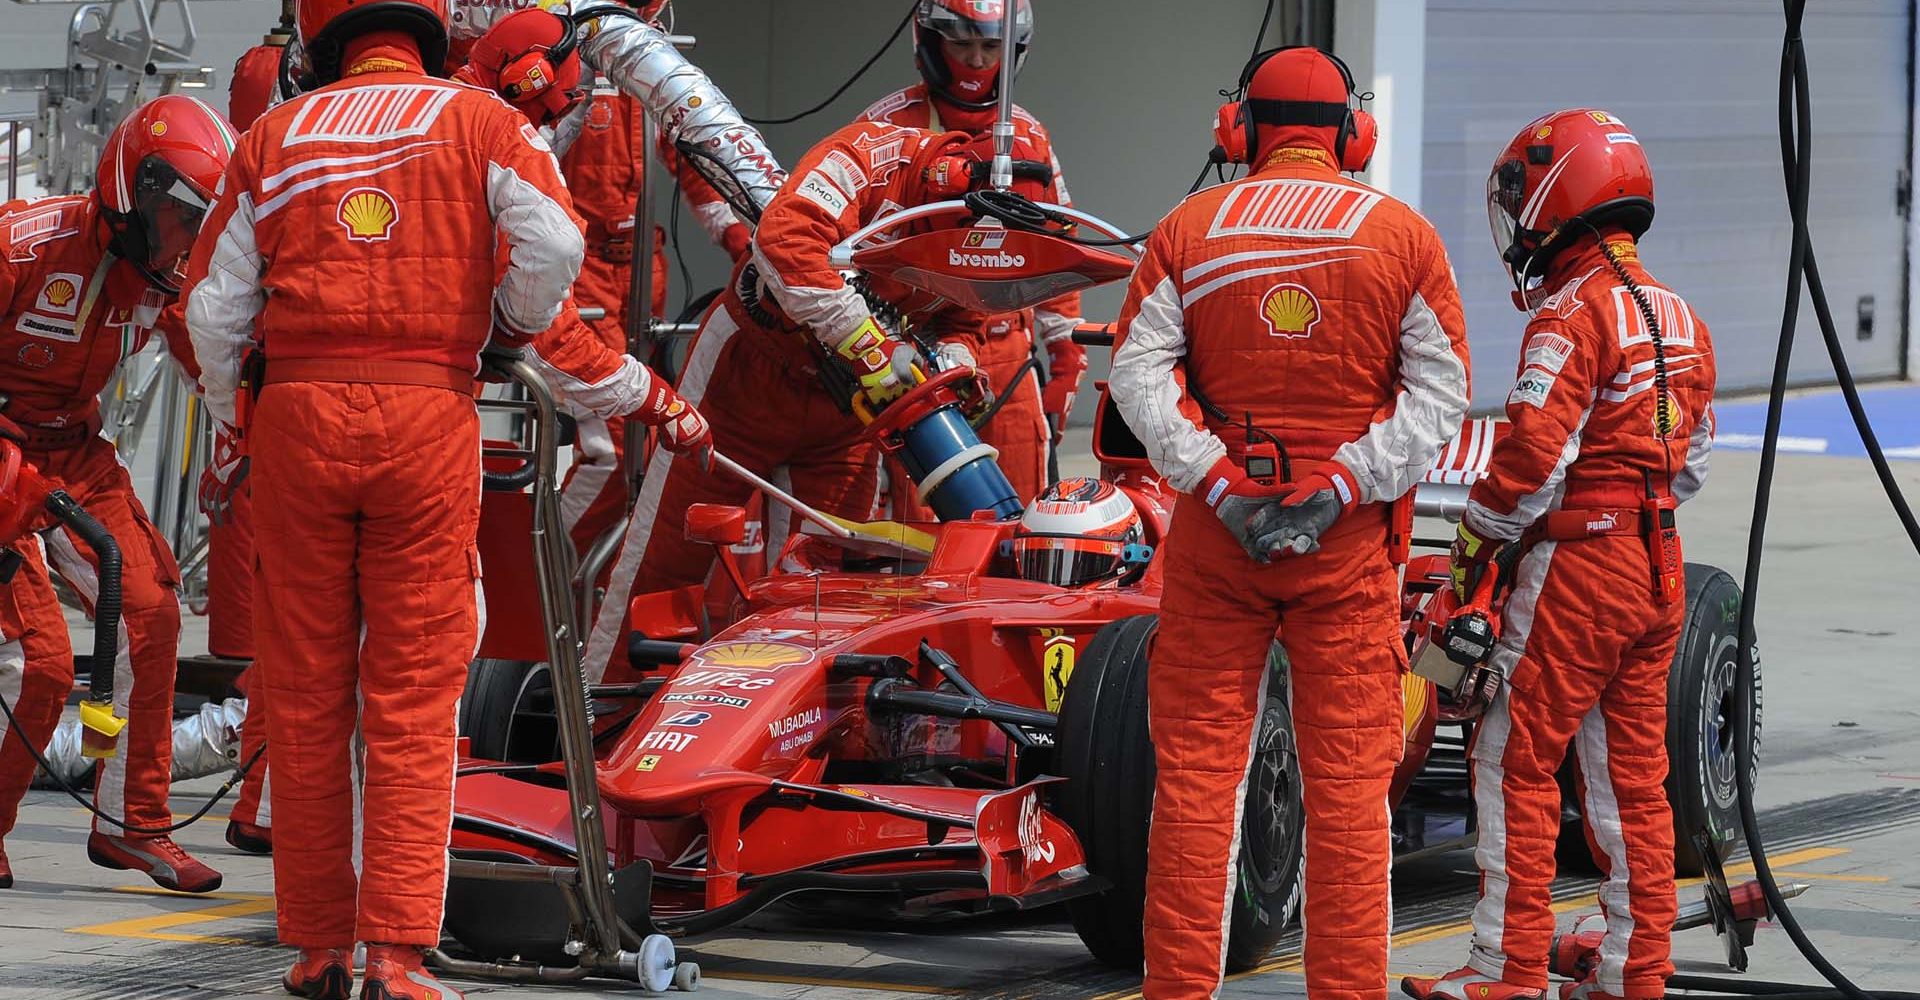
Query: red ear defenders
(532,72)
(1234,126)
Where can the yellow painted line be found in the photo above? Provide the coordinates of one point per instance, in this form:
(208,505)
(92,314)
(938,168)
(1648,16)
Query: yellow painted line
(158,927)
(1833,878)
(1790,858)
(857,984)
(1438,932)
(154,890)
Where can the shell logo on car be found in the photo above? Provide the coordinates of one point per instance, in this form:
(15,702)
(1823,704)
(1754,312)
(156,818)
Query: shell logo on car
(1290,310)
(753,655)
(369,214)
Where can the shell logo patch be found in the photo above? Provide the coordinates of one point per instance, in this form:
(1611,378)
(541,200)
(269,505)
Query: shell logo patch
(754,655)
(368,213)
(158,128)
(1543,132)
(1290,310)
(61,294)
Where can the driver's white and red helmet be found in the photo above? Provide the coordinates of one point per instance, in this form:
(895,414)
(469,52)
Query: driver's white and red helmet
(1076,532)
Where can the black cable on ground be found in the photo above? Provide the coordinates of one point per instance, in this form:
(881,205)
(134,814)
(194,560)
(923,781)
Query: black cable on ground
(40,759)
(1796,150)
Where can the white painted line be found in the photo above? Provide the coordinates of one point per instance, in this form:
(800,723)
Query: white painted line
(1752,442)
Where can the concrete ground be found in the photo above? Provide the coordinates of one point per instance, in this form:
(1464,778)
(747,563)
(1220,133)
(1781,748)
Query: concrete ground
(1840,796)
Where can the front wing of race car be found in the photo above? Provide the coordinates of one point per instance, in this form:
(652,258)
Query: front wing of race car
(753,840)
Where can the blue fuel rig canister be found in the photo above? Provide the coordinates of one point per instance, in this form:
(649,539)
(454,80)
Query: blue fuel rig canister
(958,474)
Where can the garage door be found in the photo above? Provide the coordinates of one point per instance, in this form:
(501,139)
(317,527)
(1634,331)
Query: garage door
(1698,81)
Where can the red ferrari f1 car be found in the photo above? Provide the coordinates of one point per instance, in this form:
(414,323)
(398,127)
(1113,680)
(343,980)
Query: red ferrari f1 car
(895,710)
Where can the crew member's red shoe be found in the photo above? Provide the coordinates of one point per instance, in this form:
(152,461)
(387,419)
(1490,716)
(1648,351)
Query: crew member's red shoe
(396,972)
(321,974)
(248,838)
(164,861)
(1466,984)
(6,870)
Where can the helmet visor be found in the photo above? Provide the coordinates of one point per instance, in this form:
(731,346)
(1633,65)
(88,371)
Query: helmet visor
(1067,560)
(169,209)
(1505,187)
(981,20)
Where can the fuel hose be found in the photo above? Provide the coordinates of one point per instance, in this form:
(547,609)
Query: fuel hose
(1803,274)
(106,650)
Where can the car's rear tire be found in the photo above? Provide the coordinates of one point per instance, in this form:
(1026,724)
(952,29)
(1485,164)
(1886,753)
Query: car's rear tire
(1700,731)
(506,711)
(1701,701)
(1106,754)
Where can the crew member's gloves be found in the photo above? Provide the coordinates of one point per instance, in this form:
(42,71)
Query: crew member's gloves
(1240,503)
(976,393)
(1323,497)
(1477,692)
(226,470)
(1066,364)
(683,430)
(497,360)
(1468,559)
(882,364)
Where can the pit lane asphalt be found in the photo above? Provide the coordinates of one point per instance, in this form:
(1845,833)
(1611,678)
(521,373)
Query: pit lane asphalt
(1839,789)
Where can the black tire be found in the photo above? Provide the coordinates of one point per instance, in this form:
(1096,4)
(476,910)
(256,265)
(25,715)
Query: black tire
(506,711)
(1701,693)
(1106,754)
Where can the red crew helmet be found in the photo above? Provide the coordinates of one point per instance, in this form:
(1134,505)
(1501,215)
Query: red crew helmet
(156,179)
(326,26)
(1564,175)
(964,20)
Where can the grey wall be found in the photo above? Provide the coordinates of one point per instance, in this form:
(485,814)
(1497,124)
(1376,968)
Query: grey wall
(1698,84)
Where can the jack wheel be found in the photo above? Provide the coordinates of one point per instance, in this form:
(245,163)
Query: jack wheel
(656,971)
(686,977)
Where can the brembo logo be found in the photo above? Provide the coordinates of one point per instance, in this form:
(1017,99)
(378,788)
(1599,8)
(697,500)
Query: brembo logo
(999,260)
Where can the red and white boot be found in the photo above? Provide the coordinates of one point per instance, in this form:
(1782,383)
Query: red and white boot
(1466,984)
(397,972)
(167,863)
(321,974)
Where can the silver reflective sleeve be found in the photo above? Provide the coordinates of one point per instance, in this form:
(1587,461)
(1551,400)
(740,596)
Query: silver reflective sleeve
(207,742)
(640,60)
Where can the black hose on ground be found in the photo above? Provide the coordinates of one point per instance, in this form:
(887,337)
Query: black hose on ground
(106,651)
(1796,150)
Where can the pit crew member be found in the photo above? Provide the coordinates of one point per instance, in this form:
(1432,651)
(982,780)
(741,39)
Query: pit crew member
(599,143)
(85,279)
(752,372)
(364,443)
(957,49)
(1612,422)
(1310,310)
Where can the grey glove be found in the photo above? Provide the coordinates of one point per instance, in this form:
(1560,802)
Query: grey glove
(1280,527)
